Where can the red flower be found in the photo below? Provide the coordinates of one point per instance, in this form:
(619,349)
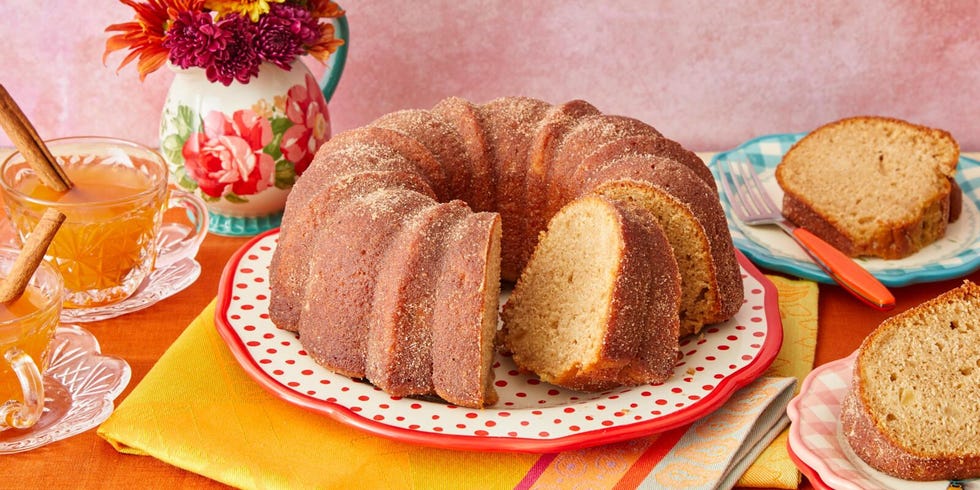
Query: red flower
(238,60)
(307,109)
(283,32)
(228,157)
(193,39)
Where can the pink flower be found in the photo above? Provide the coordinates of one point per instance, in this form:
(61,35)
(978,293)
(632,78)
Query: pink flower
(307,109)
(227,157)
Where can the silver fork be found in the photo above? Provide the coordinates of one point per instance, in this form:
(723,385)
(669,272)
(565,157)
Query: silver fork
(752,205)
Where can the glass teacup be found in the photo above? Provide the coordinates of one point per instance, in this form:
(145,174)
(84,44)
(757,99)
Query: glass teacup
(27,327)
(108,243)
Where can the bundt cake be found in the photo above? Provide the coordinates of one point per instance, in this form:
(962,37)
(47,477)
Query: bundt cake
(597,305)
(394,240)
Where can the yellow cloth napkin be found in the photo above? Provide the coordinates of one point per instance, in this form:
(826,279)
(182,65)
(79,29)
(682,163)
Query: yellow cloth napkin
(798,310)
(198,410)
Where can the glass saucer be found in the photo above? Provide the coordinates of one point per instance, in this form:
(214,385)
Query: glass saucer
(80,386)
(161,284)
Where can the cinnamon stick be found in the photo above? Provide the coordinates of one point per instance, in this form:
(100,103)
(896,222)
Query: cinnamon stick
(25,138)
(30,257)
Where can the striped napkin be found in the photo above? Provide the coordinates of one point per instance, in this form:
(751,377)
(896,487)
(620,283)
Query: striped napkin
(233,431)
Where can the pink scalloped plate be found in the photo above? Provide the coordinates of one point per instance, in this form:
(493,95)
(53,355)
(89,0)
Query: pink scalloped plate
(530,416)
(819,449)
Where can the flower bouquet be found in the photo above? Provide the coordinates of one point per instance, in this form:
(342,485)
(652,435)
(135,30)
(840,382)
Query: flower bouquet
(244,117)
(228,38)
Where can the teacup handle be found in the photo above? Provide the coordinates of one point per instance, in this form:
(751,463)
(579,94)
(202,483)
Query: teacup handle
(177,240)
(23,415)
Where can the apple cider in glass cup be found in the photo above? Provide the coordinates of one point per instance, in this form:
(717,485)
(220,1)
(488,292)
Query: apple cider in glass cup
(27,326)
(107,245)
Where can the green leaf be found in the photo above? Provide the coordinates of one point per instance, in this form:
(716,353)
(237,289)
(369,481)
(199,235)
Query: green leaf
(285,174)
(273,148)
(178,129)
(280,125)
(235,198)
(171,147)
(185,181)
(184,122)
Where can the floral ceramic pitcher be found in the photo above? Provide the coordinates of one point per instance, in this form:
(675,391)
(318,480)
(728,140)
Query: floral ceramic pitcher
(241,147)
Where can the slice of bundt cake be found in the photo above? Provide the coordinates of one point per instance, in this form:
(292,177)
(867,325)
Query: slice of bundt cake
(871,185)
(464,320)
(438,279)
(691,215)
(596,306)
(912,408)
(311,203)
(399,351)
(559,120)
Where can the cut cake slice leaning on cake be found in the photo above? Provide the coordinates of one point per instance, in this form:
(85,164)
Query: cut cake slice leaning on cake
(871,186)
(912,410)
(597,305)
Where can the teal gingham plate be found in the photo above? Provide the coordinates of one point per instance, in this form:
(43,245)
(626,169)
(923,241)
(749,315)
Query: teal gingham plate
(957,254)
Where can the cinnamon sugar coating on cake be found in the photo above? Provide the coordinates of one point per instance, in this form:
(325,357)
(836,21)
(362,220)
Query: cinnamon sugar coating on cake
(395,239)
(689,210)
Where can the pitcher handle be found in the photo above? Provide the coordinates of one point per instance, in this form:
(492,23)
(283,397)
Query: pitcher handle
(336,62)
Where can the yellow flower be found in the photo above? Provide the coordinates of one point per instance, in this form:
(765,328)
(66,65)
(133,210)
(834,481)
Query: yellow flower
(253,9)
(279,102)
(262,108)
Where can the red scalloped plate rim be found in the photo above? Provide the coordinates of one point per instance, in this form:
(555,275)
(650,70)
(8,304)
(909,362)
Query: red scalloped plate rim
(713,400)
(810,473)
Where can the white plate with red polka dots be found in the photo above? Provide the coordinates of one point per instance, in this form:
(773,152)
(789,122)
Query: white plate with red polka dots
(530,416)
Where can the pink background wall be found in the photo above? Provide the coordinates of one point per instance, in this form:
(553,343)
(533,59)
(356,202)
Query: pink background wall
(708,74)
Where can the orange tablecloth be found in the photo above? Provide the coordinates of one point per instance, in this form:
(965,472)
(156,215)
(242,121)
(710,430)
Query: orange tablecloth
(87,461)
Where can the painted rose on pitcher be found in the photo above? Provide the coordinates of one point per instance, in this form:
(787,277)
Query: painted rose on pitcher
(228,157)
(307,109)
(233,156)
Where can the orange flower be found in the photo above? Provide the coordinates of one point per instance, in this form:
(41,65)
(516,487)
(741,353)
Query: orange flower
(327,44)
(325,8)
(145,34)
